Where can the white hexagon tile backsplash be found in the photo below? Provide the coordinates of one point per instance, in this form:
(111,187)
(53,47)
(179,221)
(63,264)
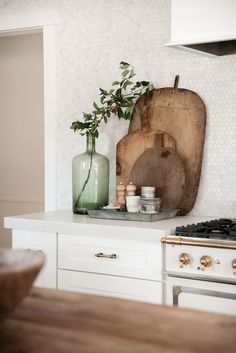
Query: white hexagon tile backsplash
(92,37)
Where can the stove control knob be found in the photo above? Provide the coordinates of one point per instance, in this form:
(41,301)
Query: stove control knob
(205,261)
(184,259)
(234,266)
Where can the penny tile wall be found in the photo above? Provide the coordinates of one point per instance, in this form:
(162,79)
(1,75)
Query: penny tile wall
(92,37)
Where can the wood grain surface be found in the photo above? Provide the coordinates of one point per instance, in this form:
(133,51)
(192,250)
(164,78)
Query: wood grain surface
(131,147)
(180,113)
(147,157)
(163,168)
(50,321)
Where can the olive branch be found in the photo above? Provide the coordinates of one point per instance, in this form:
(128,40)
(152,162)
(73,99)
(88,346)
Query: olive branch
(119,100)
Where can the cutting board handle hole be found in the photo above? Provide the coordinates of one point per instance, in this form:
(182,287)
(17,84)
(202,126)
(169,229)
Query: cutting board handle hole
(176,82)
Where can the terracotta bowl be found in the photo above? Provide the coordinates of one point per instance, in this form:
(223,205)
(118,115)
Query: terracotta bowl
(18,270)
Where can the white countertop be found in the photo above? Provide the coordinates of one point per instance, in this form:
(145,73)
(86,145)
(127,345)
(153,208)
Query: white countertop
(66,221)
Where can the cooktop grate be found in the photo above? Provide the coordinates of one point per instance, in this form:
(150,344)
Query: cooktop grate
(222,228)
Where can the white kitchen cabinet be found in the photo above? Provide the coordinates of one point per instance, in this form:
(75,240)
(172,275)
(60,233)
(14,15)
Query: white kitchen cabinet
(41,241)
(129,254)
(209,20)
(112,286)
(206,26)
(118,257)
(114,267)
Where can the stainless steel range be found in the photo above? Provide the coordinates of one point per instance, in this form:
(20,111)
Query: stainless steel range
(200,266)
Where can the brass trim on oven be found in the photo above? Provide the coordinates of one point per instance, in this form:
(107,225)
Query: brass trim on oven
(177,290)
(208,243)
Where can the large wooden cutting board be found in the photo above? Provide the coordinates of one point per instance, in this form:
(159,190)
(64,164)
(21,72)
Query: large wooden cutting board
(181,115)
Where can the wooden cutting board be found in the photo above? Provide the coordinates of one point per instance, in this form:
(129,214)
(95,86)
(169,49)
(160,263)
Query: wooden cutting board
(130,148)
(181,114)
(163,168)
(148,158)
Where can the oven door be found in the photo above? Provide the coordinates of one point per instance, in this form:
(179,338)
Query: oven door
(202,295)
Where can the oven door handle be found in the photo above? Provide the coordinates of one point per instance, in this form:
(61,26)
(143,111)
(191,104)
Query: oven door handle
(177,290)
(196,277)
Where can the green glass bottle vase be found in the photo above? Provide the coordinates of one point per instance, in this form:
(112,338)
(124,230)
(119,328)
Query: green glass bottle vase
(90,178)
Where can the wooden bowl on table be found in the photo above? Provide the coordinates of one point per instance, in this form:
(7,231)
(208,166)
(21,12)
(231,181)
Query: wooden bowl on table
(18,270)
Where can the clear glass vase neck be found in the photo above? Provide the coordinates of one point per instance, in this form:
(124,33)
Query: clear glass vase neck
(90,144)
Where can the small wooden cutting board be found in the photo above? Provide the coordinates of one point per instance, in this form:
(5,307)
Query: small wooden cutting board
(163,168)
(131,147)
(148,158)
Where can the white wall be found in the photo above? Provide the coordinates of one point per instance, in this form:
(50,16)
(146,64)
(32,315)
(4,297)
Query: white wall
(91,39)
(21,127)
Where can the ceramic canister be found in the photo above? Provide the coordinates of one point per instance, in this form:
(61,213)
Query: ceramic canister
(148,191)
(132,203)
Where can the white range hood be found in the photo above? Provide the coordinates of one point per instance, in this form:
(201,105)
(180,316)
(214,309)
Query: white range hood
(207,26)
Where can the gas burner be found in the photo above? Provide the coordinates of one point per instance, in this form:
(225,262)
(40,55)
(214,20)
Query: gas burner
(215,229)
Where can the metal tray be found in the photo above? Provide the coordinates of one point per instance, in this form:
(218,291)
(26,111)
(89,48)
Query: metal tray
(164,213)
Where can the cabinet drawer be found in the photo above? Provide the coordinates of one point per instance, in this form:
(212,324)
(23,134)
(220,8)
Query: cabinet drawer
(120,257)
(126,288)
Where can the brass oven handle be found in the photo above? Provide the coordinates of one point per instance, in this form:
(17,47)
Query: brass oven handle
(234,266)
(107,256)
(177,290)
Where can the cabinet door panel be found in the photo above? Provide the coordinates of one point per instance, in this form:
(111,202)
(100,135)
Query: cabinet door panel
(45,242)
(110,256)
(126,288)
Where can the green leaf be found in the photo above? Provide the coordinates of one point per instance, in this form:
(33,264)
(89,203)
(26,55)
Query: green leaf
(103,91)
(145,83)
(79,125)
(118,92)
(95,105)
(125,73)
(97,112)
(124,65)
(132,74)
(102,99)
(87,116)
(115,83)
(127,83)
(120,113)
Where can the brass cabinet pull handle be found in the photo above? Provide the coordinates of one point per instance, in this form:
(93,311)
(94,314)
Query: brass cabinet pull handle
(100,254)
(234,266)
(34,250)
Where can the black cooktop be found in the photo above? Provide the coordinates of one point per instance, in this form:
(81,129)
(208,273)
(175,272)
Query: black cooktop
(215,229)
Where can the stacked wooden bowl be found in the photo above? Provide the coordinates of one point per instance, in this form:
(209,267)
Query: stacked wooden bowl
(18,270)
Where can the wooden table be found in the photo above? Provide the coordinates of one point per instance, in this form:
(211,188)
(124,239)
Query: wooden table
(50,321)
